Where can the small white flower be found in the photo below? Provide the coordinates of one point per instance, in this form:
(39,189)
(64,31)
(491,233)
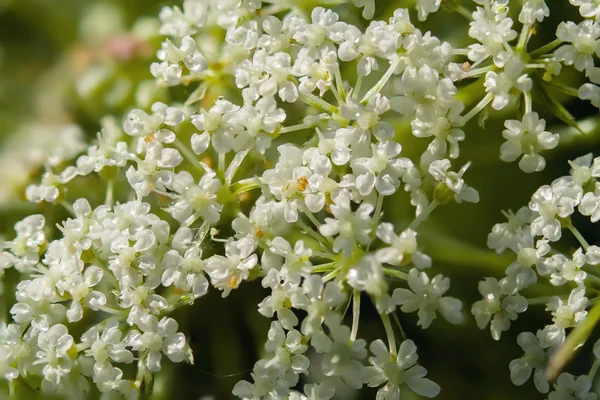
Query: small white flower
(440,170)
(498,306)
(537,349)
(585,43)
(500,85)
(568,387)
(426,296)
(527,138)
(396,374)
(402,249)
(349,227)
(571,313)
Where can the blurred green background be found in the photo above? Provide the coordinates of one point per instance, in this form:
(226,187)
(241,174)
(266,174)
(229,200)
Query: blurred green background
(61,62)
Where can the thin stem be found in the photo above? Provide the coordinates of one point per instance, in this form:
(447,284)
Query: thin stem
(462,10)
(460,52)
(382,81)
(340,84)
(563,88)
(188,154)
(108,199)
(322,240)
(528,102)
(337,95)
(68,207)
(313,219)
(545,49)
(594,369)
(478,71)
(524,37)
(539,300)
(322,254)
(294,128)
(332,274)
(355,314)
(327,267)
(475,110)
(221,165)
(578,236)
(318,103)
(357,85)
(535,66)
(421,217)
(390,335)
(394,273)
(378,206)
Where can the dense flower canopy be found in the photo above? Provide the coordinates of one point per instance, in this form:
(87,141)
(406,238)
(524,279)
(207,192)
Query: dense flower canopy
(275,167)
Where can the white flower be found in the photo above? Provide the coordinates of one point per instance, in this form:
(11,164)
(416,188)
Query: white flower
(564,269)
(570,314)
(195,200)
(227,272)
(170,70)
(590,204)
(424,7)
(158,338)
(567,387)
(497,306)
(349,226)
(500,85)
(587,8)
(368,276)
(104,343)
(493,28)
(590,92)
(185,273)
(55,353)
(537,349)
(382,171)
(343,356)
(585,43)
(510,234)
(552,202)
(453,181)
(532,11)
(426,296)
(402,249)
(527,138)
(397,373)
(180,22)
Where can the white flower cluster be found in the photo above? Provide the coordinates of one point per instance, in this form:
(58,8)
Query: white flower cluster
(533,235)
(319,156)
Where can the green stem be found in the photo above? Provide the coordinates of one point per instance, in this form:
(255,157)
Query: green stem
(475,110)
(188,154)
(528,102)
(108,200)
(382,81)
(328,267)
(355,314)
(578,236)
(563,88)
(523,37)
(319,103)
(357,85)
(545,49)
(394,273)
(390,335)
(423,216)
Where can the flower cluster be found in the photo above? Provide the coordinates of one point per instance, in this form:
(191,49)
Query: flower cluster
(534,235)
(277,168)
